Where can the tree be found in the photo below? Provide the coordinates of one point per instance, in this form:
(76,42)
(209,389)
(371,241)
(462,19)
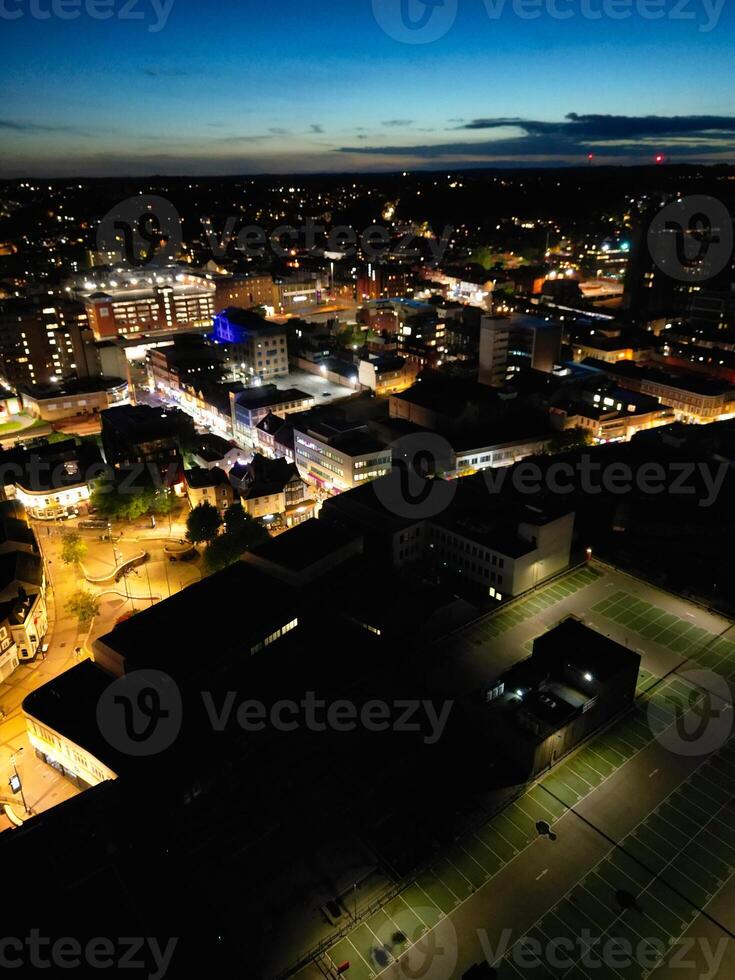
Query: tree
(73,549)
(123,501)
(164,504)
(203,524)
(83,604)
(235,518)
(569,439)
(223,551)
(242,532)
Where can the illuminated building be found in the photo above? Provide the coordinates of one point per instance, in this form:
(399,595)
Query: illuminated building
(339,455)
(251,406)
(210,486)
(74,399)
(121,303)
(387,375)
(252,347)
(575,681)
(509,344)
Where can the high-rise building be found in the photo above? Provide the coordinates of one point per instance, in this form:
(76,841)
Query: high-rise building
(44,339)
(253,347)
(129,303)
(510,343)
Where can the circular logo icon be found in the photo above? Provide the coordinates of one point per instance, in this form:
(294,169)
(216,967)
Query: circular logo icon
(421,952)
(695,721)
(410,490)
(415,21)
(141,713)
(691,239)
(141,231)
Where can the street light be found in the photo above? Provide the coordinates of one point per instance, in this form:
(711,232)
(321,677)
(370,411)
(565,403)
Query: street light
(16,784)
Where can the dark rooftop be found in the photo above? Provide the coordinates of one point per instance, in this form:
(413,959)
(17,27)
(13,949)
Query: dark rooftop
(254,398)
(71,387)
(198,478)
(304,545)
(195,628)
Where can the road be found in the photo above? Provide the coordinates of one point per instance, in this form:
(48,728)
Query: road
(505,881)
(159,578)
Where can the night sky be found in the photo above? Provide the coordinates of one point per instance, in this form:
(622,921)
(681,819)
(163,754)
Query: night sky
(235,86)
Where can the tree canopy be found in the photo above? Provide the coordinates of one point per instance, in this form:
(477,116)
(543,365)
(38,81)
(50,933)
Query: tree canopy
(203,524)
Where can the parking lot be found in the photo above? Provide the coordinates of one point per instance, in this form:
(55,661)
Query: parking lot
(663,841)
(674,862)
(321,389)
(477,857)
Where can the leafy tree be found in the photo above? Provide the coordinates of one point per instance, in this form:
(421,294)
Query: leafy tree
(576,438)
(203,524)
(164,504)
(125,501)
(235,518)
(73,549)
(242,532)
(223,551)
(83,604)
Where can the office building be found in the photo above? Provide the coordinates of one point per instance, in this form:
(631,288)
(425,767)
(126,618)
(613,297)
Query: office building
(339,455)
(510,344)
(138,304)
(575,681)
(73,398)
(252,347)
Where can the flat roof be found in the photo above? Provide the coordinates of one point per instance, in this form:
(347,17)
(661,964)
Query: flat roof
(71,387)
(68,705)
(190,630)
(305,544)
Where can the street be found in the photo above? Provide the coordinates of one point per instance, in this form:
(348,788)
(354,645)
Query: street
(68,644)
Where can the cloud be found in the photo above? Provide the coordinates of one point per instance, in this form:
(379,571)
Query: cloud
(278,131)
(575,135)
(593,126)
(24,126)
(166,72)
(398,122)
(316,128)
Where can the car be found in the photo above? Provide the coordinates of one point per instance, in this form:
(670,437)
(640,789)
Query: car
(94,525)
(326,394)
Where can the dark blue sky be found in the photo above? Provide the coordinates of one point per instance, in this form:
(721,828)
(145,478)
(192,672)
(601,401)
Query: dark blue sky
(232,86)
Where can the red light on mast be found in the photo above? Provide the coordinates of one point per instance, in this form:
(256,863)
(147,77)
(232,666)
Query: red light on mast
(660,158)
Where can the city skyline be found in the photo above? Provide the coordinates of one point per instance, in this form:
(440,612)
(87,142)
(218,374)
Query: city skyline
(339,88)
